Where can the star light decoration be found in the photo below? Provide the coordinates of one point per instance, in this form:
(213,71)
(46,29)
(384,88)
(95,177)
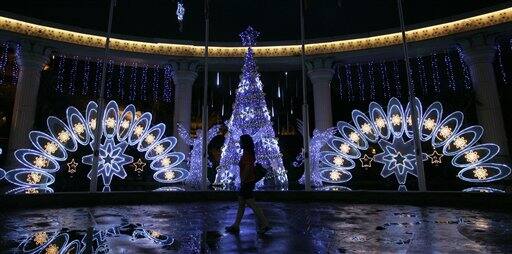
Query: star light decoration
(65,137)
(394,136)
(111,160)
(435,157)
(138,166)
(366,161)
(72,166)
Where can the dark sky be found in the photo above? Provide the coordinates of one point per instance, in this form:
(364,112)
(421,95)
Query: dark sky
(275,19)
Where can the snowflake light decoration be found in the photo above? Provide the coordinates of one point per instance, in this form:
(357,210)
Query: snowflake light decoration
(111,161)
(398,158)
(121,129)
(394,136)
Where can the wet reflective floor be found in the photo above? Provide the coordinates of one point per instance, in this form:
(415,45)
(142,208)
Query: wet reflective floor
(297,228)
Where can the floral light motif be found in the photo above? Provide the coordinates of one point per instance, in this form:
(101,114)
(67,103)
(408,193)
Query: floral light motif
(335,175)
(338,161)
(40,162)
(51,147)
(366,128)
(40,238)
(159,149)
(110,123)
(460,142)
(33,178)
(52,249)
(79,129)
(354,137)
(169,175)
(429,124)
(166,161)
(396,120)
(472,156)
(63,136)
(138,130)
(125,124)
(445,132)
(345,148)
(480,173)
(150,138)
(380,122)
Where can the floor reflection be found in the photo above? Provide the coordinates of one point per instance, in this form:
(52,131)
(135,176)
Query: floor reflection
(297,228)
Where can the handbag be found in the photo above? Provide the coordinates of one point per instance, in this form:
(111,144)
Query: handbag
(259,172)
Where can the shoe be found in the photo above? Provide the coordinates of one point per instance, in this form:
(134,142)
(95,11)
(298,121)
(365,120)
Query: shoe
(233,229)
(264,230)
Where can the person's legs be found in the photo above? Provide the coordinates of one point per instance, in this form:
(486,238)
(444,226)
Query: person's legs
(257,212)
(240,212)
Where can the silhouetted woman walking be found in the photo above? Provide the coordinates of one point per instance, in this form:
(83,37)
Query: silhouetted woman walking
(247,184)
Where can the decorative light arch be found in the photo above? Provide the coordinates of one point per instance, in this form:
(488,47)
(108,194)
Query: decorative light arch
(392,131)
(120,130)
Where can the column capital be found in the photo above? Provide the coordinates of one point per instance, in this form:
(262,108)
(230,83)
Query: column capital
(33,54)
(184,65)
(477,49)
(319,63)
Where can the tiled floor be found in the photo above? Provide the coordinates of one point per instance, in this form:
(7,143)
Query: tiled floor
(297,228)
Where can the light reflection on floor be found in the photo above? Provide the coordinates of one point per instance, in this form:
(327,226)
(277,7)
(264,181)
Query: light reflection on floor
(297,228)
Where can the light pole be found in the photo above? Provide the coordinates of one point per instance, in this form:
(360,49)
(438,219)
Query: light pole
(101,106)
(412,100)
(305,110)
(204,153)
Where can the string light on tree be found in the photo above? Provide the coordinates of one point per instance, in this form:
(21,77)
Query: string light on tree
(251,116)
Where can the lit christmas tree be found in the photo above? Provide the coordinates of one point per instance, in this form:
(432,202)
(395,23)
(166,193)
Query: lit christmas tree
(251,116)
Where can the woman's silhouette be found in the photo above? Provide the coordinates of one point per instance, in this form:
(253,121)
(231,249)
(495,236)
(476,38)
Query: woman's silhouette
(247,183)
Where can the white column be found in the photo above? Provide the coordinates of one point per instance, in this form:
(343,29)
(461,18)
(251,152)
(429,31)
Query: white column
(479,55)
(183,80)
(31,61)
(320,73)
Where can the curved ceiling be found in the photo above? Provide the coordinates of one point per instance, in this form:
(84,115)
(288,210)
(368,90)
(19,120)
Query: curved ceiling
(277,20)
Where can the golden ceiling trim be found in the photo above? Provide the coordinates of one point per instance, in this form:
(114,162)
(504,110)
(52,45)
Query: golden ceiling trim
(171,49)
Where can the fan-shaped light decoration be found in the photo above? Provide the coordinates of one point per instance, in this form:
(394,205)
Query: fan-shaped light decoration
(120,130)
(64,241)
(392,131)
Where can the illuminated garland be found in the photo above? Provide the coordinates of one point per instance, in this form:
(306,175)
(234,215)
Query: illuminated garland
(251,116)
(120,130)
(392,130)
